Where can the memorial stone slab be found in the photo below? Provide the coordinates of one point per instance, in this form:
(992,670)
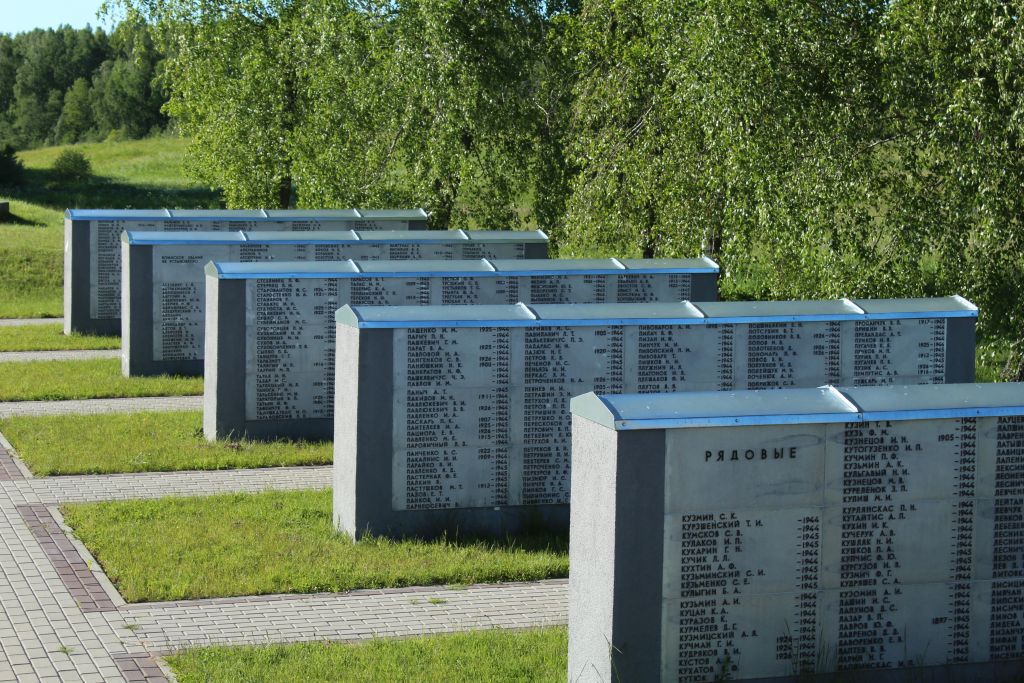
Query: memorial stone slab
(270,356)
(92,247)
(460,415)
(162,285)
(873,531)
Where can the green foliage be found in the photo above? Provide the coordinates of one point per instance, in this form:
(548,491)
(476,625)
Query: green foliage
(283,542)
(51,338)
(12,170)
(492,656)
(71,165)
(143,442)
(832,149)
(67,85)
(363,103)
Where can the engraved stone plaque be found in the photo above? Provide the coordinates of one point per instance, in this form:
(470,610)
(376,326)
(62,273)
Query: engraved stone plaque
(477,417)
(170,293)
(874,536)
(92,277)
(508,442)
(288,330)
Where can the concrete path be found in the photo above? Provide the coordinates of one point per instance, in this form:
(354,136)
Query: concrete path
(357,615)
(84,489)
(26,356)
(62,620)
(15,322)
(101,405)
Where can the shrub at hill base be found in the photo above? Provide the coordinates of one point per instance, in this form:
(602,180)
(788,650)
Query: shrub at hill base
(72,166)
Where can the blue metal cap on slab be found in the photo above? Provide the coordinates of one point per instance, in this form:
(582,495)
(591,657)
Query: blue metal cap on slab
(367,317)
(435,268)
(505,235)
(145,238)
(699,265)
(300,237)
(683,313)
(228,270)
(828,404)
(243,214)
(411,214)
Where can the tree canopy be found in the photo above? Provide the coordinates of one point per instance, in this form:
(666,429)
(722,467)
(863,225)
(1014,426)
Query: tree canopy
(69,85)
(837,148)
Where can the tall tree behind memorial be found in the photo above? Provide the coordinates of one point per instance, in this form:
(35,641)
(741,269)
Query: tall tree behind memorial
(363,103)
(728,126)
(824,149)
(231,72)
(422,102)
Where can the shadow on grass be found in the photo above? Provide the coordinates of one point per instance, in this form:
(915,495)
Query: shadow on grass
(45,188)
(11,218)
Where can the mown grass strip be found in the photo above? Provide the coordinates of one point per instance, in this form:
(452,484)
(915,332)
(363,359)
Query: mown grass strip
(143,442)
(51,338)
(484,656)
(283,542)
(79,379)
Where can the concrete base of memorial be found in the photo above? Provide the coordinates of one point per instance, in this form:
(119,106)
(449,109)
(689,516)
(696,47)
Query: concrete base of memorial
(77,277)
(363,463)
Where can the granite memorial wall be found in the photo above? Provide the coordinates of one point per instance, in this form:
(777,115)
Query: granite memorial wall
(874,531)
(459,416)
(162,284)
(92,247)
(270,355)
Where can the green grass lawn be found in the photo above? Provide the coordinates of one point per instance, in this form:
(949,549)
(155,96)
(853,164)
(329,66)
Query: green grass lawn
(480,656)
(282,542)
(51,338)
(132,174)
(143,442)
(100,378)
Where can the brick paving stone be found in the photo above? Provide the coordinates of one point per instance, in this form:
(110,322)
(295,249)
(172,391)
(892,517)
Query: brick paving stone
(61,620)
(17,322)
(356,615)
(84,354)
(101,405)
(9,470)
(71,568)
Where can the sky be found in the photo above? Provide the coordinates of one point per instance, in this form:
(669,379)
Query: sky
(17,16)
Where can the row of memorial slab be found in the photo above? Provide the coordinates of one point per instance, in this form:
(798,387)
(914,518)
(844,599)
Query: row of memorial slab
(760,490)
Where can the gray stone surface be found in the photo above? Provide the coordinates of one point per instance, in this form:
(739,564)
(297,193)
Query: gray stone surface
(92,248)
(17,322)
(270,327)
(100,405)
(445,423)
(760,535)
(26,356)
(162,279)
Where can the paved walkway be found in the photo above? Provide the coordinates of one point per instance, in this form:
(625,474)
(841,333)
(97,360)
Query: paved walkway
(101,405)
(357,615)
(61,619)
(85,489)
(26,356)
(15,322)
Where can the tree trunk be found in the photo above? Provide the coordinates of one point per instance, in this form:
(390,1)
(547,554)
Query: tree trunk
(284,192)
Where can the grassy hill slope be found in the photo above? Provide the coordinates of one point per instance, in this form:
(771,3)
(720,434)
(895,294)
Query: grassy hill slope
(130,174)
